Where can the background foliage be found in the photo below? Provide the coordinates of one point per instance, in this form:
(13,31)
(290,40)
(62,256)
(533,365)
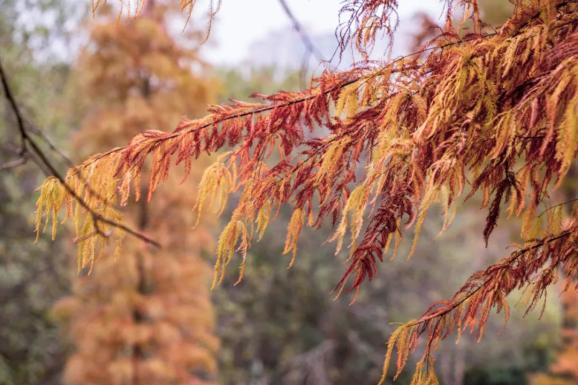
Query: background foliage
(31,351)
(145,316)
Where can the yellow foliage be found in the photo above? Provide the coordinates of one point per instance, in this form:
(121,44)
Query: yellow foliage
(531,224)
(567,142)
(330,162)
(348,101)
(353,215)
(424,374)
(93,230)
(48,205)
(263,217)
(397,340)
(293,230)
(430,195)
(235,232)
(214,188)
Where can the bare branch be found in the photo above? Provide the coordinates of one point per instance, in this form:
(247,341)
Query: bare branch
(29,146)
(557,205)
(307,42)
(14,163)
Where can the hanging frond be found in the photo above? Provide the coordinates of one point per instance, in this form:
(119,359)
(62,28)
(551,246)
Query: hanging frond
(293,231)
(533,267)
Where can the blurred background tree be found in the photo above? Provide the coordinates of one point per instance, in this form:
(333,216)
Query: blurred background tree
(32,275)
(146,316)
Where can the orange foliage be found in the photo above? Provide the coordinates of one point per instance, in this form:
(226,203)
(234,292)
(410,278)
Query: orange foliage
(475,111)
(146,316)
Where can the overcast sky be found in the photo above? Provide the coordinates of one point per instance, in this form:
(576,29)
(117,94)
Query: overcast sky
(241,23)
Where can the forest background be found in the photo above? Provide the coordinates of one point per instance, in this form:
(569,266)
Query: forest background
(278,326)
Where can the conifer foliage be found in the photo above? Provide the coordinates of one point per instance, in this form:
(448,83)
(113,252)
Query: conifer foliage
(476,111)
(145,316)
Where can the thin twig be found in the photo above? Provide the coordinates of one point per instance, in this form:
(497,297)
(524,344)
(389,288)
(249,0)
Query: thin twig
(14,163)
(557,205)
(29,146)
(307,42)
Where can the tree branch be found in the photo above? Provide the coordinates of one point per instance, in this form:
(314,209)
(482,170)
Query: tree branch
(307,42)
(28,146)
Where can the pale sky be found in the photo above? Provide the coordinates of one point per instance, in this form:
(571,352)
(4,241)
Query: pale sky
(240,23)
